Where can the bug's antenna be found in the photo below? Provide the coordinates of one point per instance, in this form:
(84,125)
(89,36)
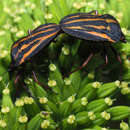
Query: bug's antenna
(84,63)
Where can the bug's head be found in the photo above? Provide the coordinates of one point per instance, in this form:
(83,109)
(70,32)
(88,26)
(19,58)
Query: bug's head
(11,70)
(123,39)
(11,67)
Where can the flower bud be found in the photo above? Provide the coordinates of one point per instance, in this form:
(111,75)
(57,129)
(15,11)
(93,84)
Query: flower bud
(96,84)
(36,23)
(27,3)
(48,16)
(6,91)
(33,6)
(48,2)
(3,124)
(76,5)
(71,119)
(43,100)
(124,30)
(104,129)
(19,102)
(91,115)
(108,101)
(125,90)
(52,83)
(84,101)
(117,83)
(127,63)
(67,81)
(45,114)
(5,109)
(71,99)
(2,32)
(20,33)
(65,50)
(90,4)
(45,124)
(91,75)
(16,1)
(52,67)
(124,84)
(105,115)
(14,29)
(124,126)
(102,6)
(28,100)
(23,119)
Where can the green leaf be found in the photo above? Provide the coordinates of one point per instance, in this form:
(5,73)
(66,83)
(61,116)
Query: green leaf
(34,123)
(119,112)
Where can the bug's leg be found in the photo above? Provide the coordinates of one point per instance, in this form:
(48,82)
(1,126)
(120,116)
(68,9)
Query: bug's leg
(104,54)
(17,78)
(41,84)
(29,32)
(116,54)
(17,93)
(119,59)
(35,77)
(105,57)
(94,12)
(83,65)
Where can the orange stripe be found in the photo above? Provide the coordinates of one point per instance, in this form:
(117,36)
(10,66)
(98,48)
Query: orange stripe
(93,13)
(74,27)
(29,36)
(93,33)
(87,19)
(111,21)
(46,26)
(97,27)
(101,35)
(82,20)
(24,46)
(72,17)
(81,27)
(35,46)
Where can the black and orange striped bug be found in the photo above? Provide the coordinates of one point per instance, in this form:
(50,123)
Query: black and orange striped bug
(96,28)
(27,47)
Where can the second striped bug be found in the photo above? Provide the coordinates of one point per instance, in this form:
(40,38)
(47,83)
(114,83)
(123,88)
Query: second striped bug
(96,28)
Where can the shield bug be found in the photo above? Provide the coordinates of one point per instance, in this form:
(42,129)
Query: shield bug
(96,28)
(27,47)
